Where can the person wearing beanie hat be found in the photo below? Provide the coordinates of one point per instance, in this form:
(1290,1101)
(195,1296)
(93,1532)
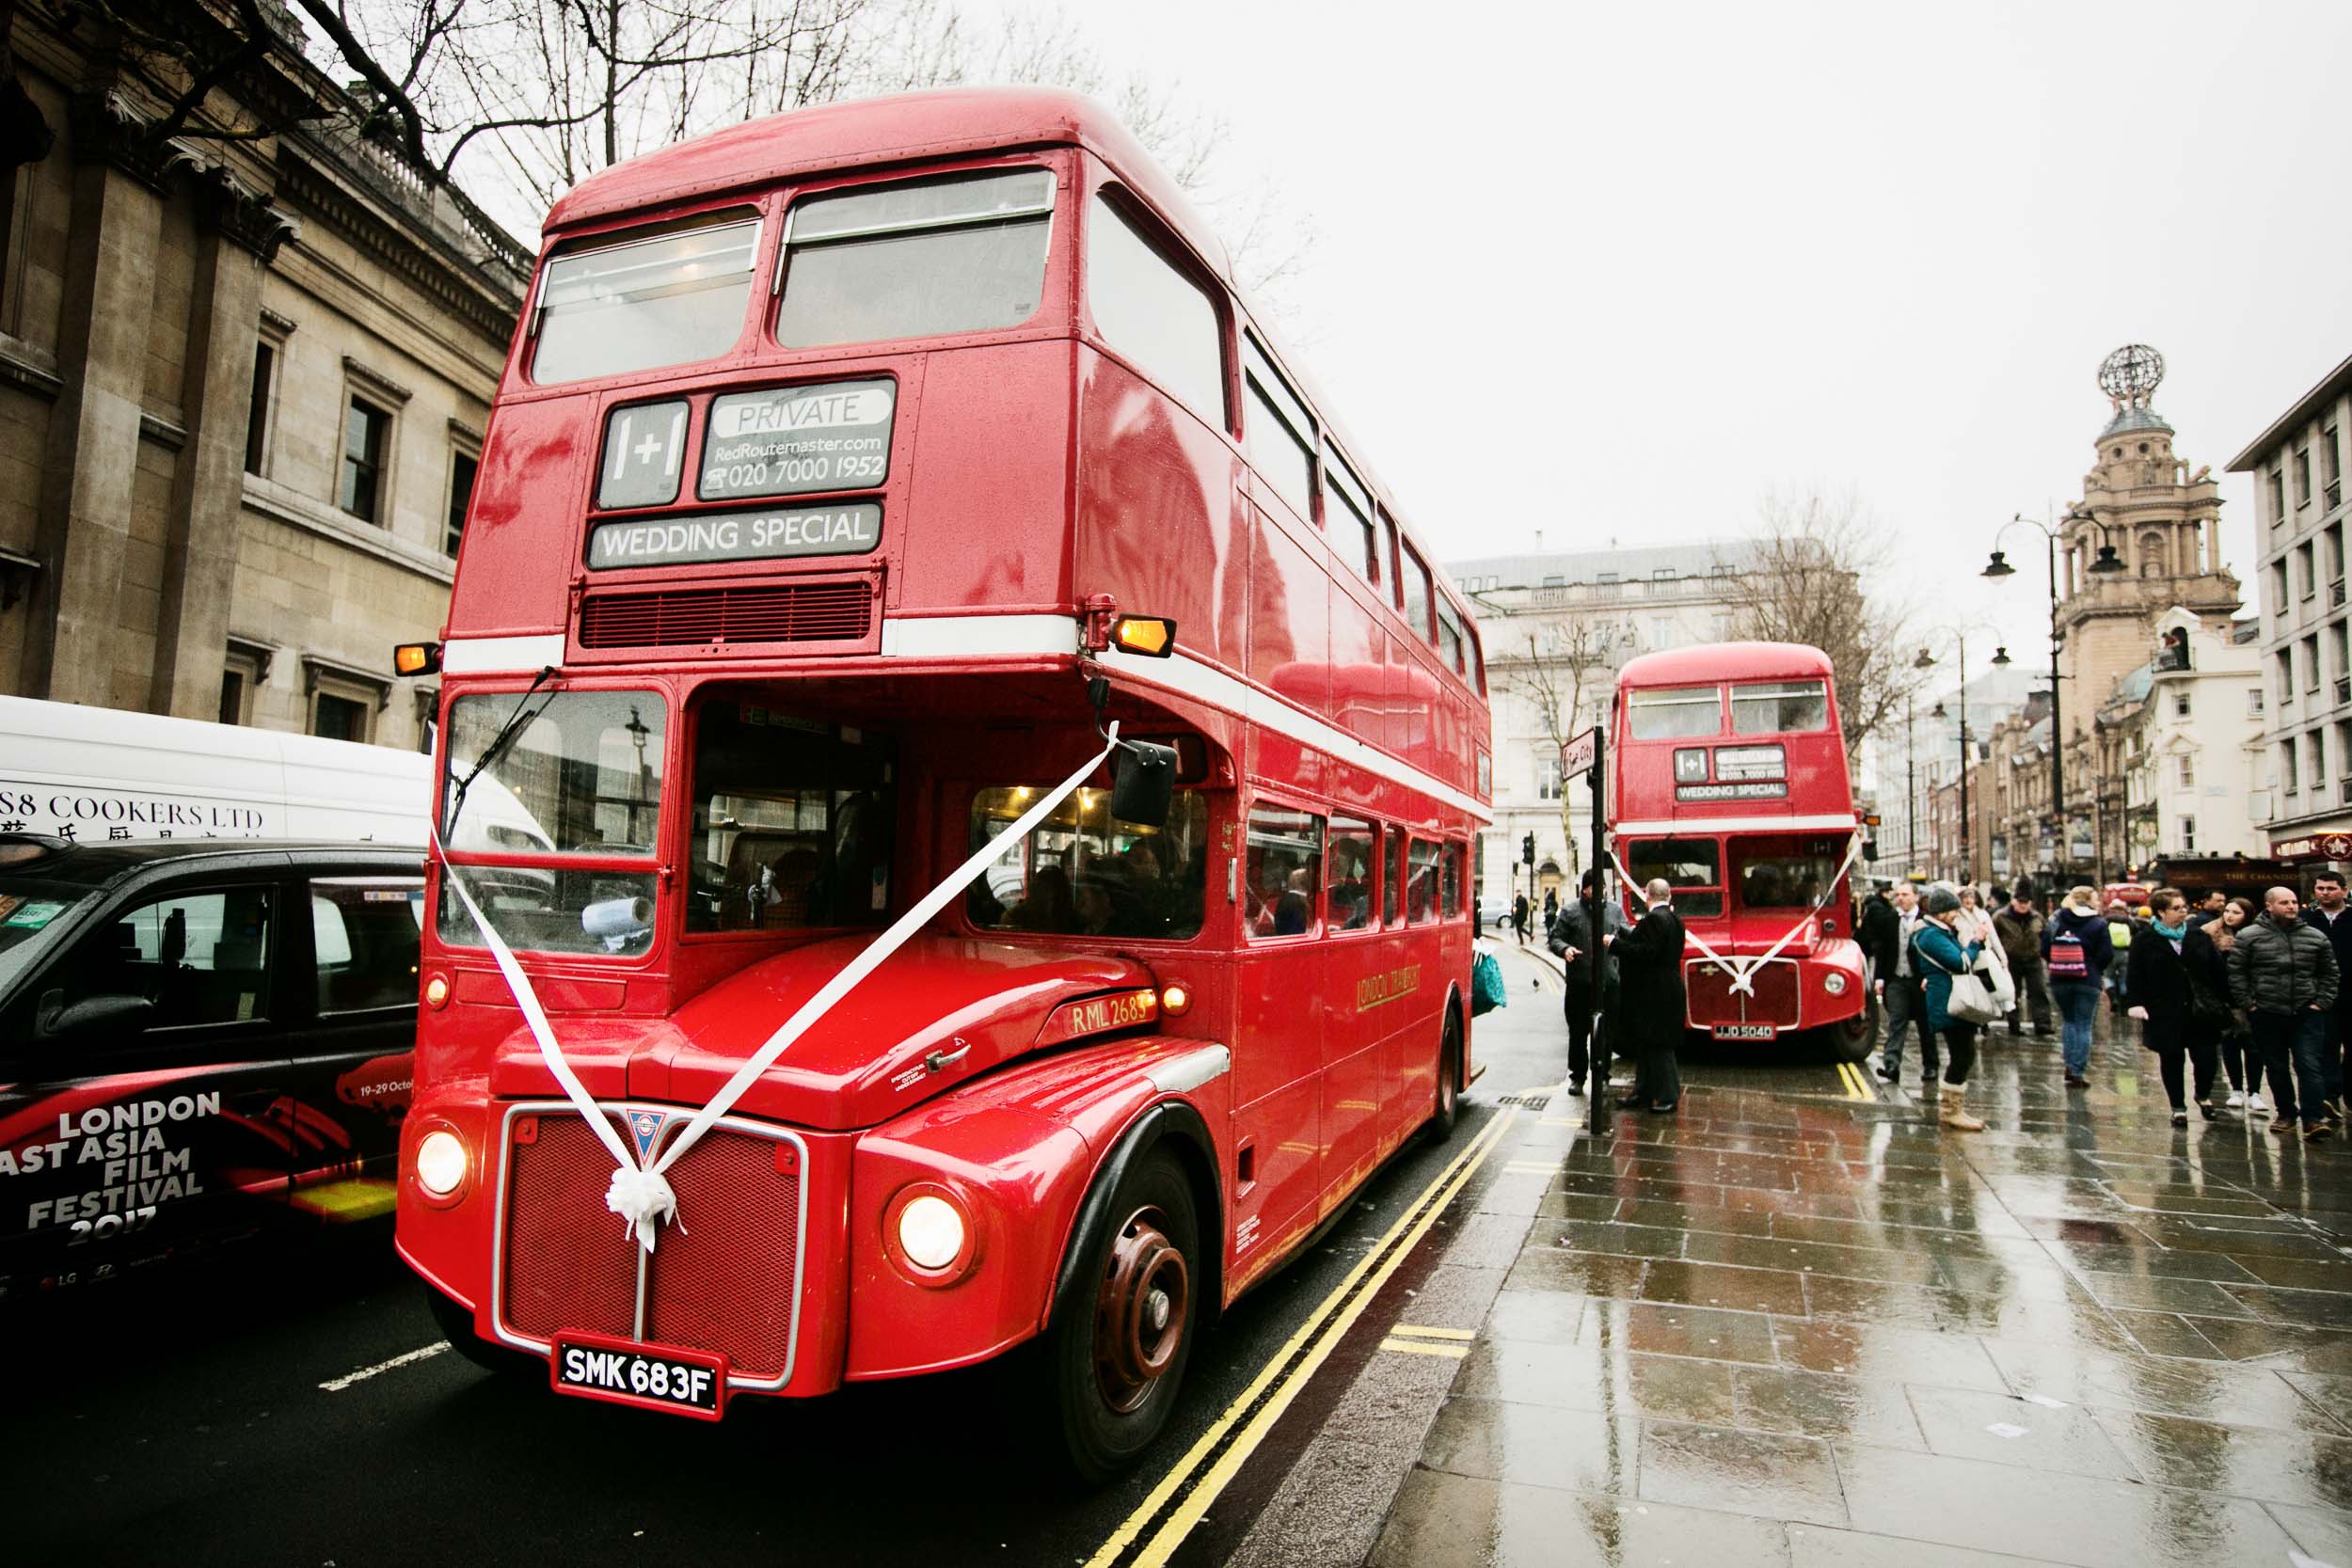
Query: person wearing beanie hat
(1941,953)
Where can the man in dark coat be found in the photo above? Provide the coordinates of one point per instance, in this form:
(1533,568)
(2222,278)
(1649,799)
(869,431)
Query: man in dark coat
(1652,1010)
(2283,970)
(2333,915)
(1518,915)
(1571,941)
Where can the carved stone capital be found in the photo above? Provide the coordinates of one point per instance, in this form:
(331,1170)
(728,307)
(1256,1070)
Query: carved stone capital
(106,128)
(244,216)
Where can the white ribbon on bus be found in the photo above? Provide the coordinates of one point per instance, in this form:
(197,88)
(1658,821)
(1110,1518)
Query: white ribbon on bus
(1744,970)
(640,1194)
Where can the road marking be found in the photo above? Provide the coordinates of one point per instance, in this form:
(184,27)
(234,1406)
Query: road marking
(423,1353)
(1417,1347)
(1857,1086)
(1184,1493)
(1416,1332)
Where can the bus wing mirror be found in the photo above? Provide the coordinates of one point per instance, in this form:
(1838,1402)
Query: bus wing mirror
(1143,782)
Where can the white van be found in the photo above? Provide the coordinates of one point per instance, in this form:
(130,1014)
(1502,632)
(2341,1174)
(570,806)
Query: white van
(92,774)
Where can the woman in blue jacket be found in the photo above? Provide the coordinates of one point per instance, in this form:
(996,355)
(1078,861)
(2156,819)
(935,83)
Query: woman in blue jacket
(1939,955)
(2076,950)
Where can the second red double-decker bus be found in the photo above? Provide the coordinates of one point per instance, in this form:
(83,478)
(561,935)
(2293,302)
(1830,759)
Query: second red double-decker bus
(1729,780)
(842,1018)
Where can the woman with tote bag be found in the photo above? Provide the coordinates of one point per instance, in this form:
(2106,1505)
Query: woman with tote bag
(2179,1014)
(1946,962)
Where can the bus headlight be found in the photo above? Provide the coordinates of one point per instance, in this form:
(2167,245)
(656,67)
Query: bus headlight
(440,1162)
(1834,983)
(931,1232)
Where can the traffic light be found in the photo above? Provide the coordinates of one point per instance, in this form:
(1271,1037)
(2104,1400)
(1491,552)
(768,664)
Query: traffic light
(1526,849)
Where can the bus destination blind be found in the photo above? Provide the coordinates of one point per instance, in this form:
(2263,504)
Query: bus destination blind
(766,534)
(794,441)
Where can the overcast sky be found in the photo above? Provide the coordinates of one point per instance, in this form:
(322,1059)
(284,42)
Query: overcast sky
(1613,271)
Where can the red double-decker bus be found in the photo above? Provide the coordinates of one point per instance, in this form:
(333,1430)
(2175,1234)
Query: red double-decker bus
(1729,780)
(853,473)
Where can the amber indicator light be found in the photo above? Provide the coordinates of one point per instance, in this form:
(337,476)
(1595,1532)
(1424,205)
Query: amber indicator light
(1152,636)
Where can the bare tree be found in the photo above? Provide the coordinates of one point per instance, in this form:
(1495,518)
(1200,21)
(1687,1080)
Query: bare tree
(1555,678)
(523,98)
(1803,578)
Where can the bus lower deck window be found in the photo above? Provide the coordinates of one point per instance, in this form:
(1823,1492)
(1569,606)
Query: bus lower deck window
(1083,872)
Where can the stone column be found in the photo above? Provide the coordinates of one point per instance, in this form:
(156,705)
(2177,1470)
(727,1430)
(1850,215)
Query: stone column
(91,455)
(200,545)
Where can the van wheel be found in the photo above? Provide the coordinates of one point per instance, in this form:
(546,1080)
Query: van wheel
(1117,1353)
(456,1326)
(1440,1124)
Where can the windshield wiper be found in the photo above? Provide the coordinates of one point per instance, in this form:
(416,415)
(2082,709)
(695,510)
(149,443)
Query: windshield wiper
(514,725)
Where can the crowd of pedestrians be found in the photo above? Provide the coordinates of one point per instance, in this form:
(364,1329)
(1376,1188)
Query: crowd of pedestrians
(2221,991)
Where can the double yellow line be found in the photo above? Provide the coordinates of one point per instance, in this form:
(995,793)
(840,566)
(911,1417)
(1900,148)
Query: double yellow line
(1160,1523)
(1852,1075)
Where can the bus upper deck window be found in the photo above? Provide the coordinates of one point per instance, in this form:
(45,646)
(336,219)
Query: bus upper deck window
(1675,712)
(670,296)
(1779,707)
(915,259)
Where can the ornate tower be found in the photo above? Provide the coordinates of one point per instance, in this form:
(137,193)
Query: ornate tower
(2163,524)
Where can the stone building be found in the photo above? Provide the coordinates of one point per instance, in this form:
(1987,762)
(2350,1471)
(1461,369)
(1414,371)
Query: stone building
(245,362)
(1556,628)
(2184,730)
(2298,464)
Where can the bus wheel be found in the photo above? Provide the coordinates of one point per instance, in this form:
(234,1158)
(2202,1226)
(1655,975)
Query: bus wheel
(1119,1350)
(1851,1040)
(456,1323)
(1441,1120)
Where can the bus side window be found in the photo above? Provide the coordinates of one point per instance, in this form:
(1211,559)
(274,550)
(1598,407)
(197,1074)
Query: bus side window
(1392,878)
(1450,881)
(1285,854)
(1355,849)
(1421,891)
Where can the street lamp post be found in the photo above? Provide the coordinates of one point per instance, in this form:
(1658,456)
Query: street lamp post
(1911,794)
(2105,564)
(1926,661)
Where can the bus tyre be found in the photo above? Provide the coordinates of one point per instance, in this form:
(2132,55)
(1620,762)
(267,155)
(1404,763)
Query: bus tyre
(456,1326)
(1116,1355)
(1449,1109)
(1851,1040)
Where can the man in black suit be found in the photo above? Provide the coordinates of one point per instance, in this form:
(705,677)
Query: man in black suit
(1571,941)
(1651,1010)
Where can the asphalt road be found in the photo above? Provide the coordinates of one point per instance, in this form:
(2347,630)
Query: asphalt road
(270,1408)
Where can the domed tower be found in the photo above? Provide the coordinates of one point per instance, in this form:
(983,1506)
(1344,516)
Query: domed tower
(2144,537)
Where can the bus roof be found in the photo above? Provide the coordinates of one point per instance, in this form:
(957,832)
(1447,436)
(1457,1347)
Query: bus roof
(1709,663)
(896,129)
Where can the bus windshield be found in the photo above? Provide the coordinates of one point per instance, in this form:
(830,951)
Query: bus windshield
(792,821)
(1083,872)
(1693,866)
(915,259)
(636,301)
(1785,879)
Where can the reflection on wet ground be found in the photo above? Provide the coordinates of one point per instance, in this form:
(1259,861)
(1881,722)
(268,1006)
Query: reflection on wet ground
(1790,1326)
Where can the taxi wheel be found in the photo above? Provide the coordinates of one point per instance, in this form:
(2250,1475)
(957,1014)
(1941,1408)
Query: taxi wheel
(456,1325)
(1116,1355)
(1440,1124)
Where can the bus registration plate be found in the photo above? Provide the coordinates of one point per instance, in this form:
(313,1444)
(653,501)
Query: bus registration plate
(1745,1032)
(658,1377)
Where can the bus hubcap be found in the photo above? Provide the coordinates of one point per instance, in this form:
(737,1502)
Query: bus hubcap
(1139,1316)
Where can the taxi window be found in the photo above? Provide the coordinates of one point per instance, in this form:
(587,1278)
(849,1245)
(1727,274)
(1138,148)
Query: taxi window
(200,958)
(364,935)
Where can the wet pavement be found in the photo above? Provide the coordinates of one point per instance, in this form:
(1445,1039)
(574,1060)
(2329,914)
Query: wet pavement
(1800,1323)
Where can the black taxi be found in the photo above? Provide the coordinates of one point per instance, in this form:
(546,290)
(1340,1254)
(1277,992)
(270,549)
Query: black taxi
(199,1039)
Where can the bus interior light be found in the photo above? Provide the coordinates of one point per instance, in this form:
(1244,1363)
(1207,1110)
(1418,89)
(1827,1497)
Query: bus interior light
(1152,636)
(417,658)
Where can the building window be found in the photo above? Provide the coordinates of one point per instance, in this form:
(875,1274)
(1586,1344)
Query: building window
(2315,757)
(344,701)
(1547,778)
(2188,834)
(2180,703)
(2253,702)
(2188,773)
(2286,676)
(256,413)
(2306,574)
(2302,477)
(462,467)
(2331,476)
(2287,775)
(334,717)
(1661,632)
(1606,579)
(2311,664)
(1554,581)
(2278,585)
(367,430)
(2276,485)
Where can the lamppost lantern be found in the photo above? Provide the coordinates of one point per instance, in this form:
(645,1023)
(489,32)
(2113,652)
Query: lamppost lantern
(2000,566)
(1937,712)
(2107,564)
(1926,661)
(2000,657)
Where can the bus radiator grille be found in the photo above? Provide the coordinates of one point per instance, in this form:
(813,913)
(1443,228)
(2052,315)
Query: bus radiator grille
(764,613)
(569,1263)
(1712,1002)
(729,1282)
